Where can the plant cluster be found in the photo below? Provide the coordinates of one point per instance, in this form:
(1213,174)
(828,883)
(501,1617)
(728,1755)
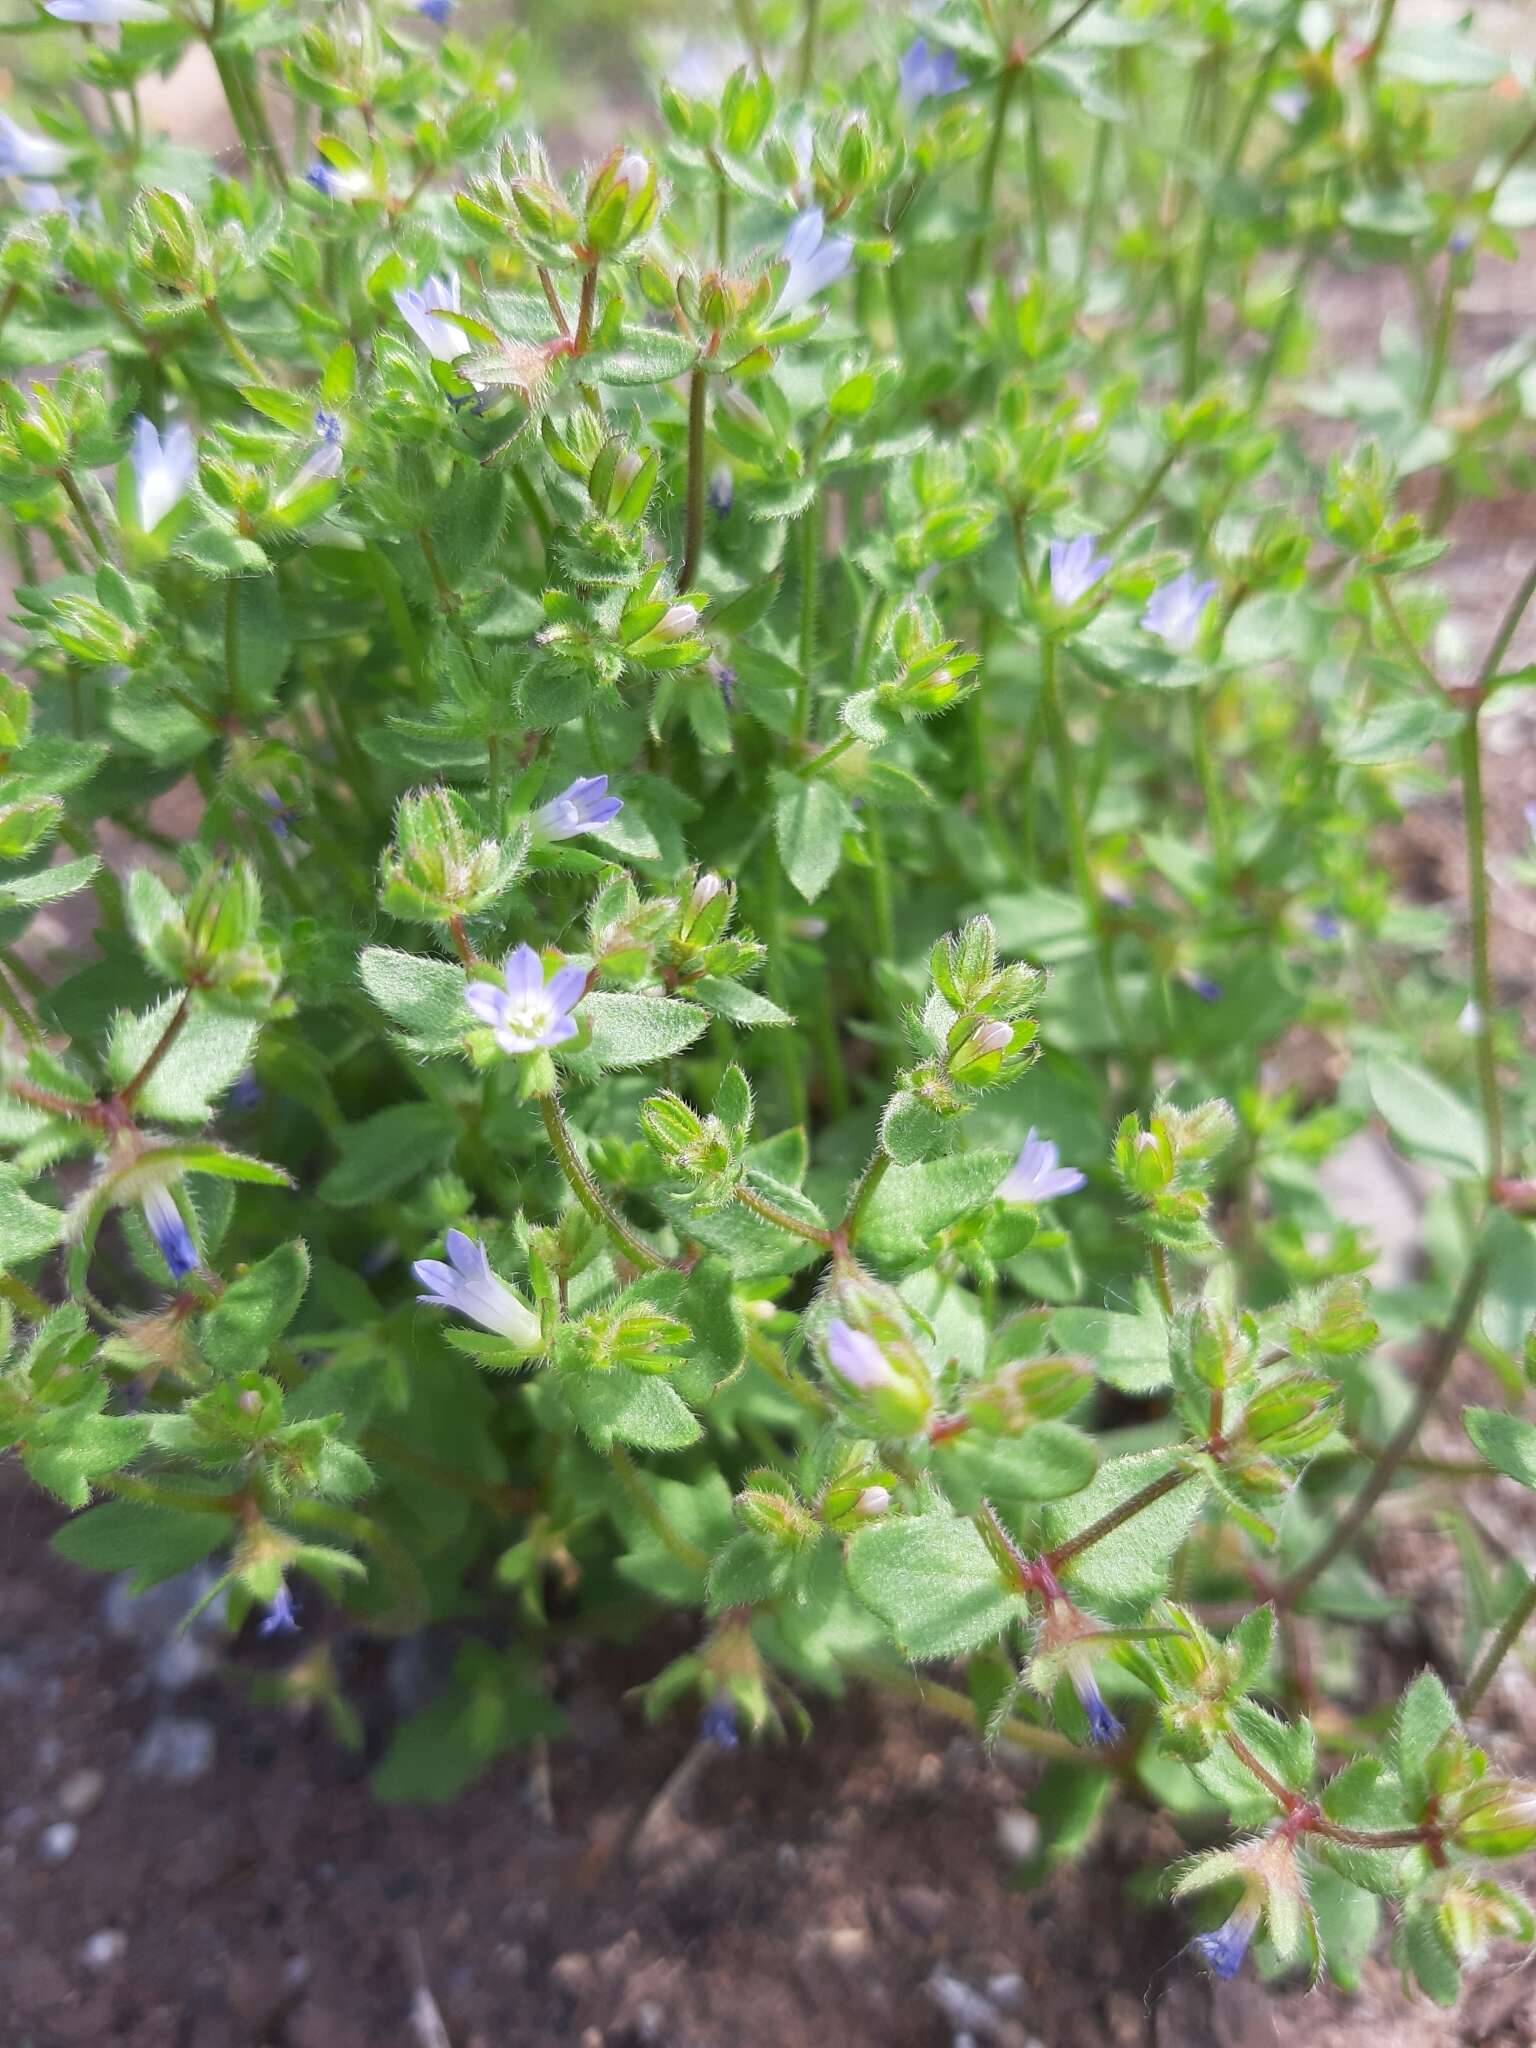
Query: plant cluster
(719,819)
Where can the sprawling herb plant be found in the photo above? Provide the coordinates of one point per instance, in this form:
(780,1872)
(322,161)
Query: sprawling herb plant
(728,769)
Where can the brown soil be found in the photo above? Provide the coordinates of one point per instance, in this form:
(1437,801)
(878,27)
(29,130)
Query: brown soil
(854,1889)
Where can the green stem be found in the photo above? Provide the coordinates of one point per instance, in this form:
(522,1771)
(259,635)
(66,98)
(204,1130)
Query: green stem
(810,30)
(403,625)
(82,512)
(1163,1278)
(1483,1672)
(130,1092)
(698,399)
(1210,781)
(810,593)
(1007,86)
(818,764)
(1035,158)
(587,1191)
(1141,501)
(1106,1525)
(1470,755)
(646,1506)
(1436,1371)
(232,342)
(1064,764)
(955,1706)
(862,1195)
(1445,321)
(770,1212)
(1088,232)
(537,510)
(1194,311)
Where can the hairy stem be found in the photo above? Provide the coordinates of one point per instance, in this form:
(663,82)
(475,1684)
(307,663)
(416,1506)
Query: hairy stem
(587,1191)
(1486,1668)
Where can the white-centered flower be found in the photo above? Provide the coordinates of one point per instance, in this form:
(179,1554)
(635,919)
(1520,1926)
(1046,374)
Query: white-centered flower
(528,1013)
(469,1287)
(443,339)
(1037,1174)
(163,466)
(816,260)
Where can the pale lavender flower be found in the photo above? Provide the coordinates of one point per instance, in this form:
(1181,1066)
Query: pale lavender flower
(1529,813)
(1201,985)
(168,1227)
(437,12)
(1326,925)
(279,1619)
(324,459)
(1037,1175)
(467,1285)
(163,465)
(1075,569)
(441,338)
(103,13)
(816,260)
(874,1500)
(857,1358)
(722,492)
(25,155)
(529,1014)
(1290,103)
(1175,611)
(323,178)
(580,808)
(1470,1022)
(927,73)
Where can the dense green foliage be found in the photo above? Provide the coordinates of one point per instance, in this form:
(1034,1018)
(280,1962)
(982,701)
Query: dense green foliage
(875,1219)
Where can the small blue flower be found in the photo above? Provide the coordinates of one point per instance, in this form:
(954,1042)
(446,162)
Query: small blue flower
(717,1723)
(323,178)
(1174,613)
(435,11)
(1326,925)
(282,816)
(168,1227)
(722,492)
(1103,1728)
(1202,986)
(246,1094)
(279,1619)
(1462,241)
(816,260)
(528,1013)
(1223,1949)
(1037,1175)
(724,679)
(582,807)
(927,74)
(1075,569)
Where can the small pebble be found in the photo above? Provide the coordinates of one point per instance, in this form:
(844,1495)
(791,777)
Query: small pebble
(1018,1834)
(56,1844)
(104,1949)
(177,1751)
(81,1792)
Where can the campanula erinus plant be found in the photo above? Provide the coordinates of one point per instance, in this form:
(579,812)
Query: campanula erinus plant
(694,891)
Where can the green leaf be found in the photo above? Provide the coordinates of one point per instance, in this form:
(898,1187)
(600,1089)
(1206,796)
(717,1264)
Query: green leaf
(49,884)
(1131,1564)
(27,1228)
(492,1704)
(1508,1309)
(1424,1714)
(1429,1122)
(1397,732)
(1505,1441)
(79,1448)
(646,356)
(1128,1352)
(1048,1462)
(1423,1949)
(1439,55)
(913,1204)
(809,820)
(424,997)
(1348,1920)
(934,1584)
(386,1152)
(632,1031)
(912,1130)
(255,1309)
(629,1408)
(752,1568)
(152,1543)
(740,1005)
(209,1054)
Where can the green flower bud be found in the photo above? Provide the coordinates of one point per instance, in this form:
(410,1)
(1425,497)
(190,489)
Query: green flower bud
(623,201)
(1292,1415)
(24,825)
(439,866)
